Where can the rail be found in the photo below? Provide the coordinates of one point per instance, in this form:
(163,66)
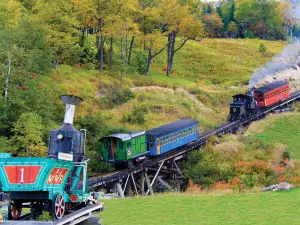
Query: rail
(79,216)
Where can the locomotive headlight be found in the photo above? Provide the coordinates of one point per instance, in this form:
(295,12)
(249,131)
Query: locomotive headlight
(60,136)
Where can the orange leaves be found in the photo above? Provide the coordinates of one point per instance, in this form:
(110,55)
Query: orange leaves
(193,188)
(258,166)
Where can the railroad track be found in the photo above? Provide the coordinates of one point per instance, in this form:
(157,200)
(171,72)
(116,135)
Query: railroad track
(101,180)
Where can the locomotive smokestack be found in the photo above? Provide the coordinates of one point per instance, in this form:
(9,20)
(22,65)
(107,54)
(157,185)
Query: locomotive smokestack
(70,101)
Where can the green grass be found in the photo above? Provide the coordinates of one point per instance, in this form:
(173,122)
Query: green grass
(283,129)
(181,209)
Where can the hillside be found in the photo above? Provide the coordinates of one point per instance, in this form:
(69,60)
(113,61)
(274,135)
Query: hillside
(183,209)
(205,76)
(279,128)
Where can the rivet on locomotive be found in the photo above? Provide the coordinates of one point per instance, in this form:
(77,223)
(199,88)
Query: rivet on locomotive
(58,183)
(244,105)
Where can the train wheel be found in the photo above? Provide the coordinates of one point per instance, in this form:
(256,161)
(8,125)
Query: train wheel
(59,206)
(14,209)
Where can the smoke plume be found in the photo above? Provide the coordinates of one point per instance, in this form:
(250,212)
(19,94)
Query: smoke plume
(288,58)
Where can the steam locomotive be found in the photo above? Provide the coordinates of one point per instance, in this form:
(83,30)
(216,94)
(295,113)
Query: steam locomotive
(244,105)
(55,184)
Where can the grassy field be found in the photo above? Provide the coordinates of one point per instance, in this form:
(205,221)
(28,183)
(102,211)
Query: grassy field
(181,209)
(282,128)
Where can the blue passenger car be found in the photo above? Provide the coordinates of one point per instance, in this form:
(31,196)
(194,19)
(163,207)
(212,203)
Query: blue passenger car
(173,135)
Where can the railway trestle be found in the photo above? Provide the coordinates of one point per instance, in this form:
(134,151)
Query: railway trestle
(164,175)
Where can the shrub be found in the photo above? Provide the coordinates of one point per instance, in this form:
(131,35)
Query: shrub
(247,166)
(117,95)
(137,116)
(208,166)
(262,49)
(249,180)
(96,165)
(95,127)
(139,62)
(45,216)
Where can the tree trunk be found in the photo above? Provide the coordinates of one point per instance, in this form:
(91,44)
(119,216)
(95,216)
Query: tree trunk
(148,63)
(7,81)
(82,37)
(170,52)
(122,57)
(110,53)
(87,36)
(97,42)
(130,50)
(126,49)
(101,52)
(55,64)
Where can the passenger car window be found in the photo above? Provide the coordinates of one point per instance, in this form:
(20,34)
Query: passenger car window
(121,145)
(151,138)
(128,145)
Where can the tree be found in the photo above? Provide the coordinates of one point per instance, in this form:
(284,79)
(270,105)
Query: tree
(179,23)
(5,145)
(62,27)
(259,16)
(262,49)
(290,19)
(28,135)
(232,29)
(213,24)
(150,25)
(85,14)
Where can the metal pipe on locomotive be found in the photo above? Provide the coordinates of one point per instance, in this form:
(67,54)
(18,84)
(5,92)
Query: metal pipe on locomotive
(58,183)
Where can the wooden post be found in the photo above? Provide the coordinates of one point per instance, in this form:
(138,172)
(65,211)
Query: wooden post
(120,191)
(164,183)
(148,184)
(128,189)
(134,185)
(142,182)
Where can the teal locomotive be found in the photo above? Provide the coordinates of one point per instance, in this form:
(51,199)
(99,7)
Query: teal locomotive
(55,184)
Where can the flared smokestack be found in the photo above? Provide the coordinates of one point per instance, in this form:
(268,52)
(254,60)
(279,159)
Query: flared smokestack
(70,101)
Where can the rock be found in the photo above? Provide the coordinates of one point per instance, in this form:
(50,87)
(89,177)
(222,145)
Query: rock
(283,186)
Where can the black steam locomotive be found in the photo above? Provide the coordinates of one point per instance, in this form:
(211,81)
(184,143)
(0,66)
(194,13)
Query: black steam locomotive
(244,105)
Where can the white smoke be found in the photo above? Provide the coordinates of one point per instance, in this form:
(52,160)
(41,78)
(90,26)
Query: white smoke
(296,10)
(288,58)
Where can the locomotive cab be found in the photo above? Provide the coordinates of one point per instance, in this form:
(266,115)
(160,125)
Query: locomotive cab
(243,105)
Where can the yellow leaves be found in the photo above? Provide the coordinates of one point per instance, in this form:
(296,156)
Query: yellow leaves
(191,28)
(14,9)
(75,2)
(154,41)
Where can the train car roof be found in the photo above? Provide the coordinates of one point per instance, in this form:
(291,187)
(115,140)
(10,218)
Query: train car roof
(171,127)
(125,137)
(242,95)
(271,86)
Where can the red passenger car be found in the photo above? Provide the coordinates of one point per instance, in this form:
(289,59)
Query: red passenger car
(272,93)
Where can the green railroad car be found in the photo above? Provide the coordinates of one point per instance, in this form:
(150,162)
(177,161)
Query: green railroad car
(124,149)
